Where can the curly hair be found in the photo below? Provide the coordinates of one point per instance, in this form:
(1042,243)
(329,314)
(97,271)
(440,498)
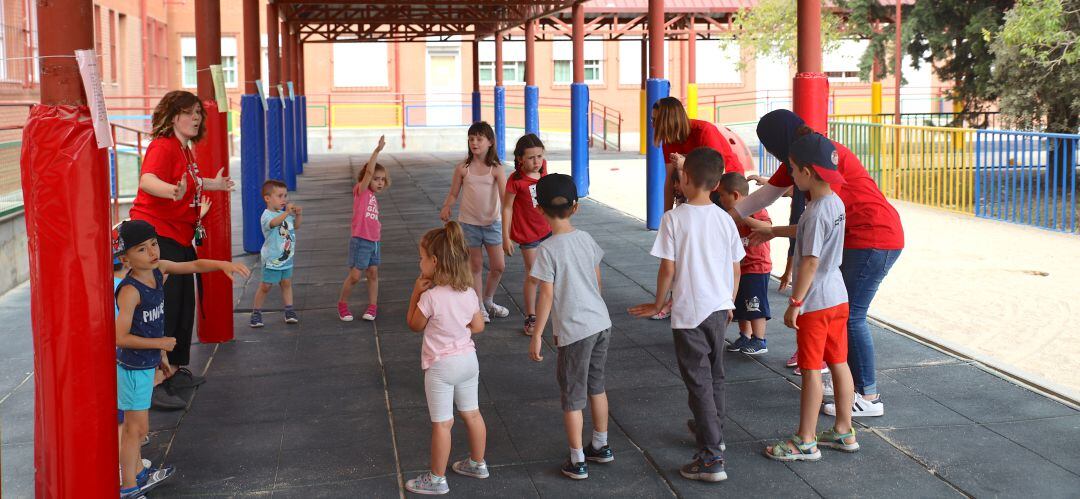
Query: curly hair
(169,107)
(451,254)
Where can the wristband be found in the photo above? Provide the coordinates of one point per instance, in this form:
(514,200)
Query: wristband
(795,303)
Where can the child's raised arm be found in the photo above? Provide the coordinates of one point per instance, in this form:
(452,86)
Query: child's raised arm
(369,168)
(127,300)
(455,188)
(203,266)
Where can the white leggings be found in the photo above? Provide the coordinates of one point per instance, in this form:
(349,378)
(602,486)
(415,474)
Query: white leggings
(452,380)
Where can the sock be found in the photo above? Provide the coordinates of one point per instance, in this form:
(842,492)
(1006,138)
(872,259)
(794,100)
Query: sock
(256,310)
(476,463)
(437,479)
(489,301)
(288,308)
(577,455)
(744,335)
(599,439)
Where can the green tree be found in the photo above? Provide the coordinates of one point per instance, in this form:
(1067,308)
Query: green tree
(770,29)
(1037,66)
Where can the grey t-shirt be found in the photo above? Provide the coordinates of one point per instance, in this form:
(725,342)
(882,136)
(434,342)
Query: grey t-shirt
(821,234)
(569,262)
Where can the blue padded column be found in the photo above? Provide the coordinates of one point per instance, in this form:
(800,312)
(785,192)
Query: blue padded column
(252,168)
(303,110)
(500,122)
(655,169)
(288,149)
(476,107)
(532,109)
(275,141)
(579,137)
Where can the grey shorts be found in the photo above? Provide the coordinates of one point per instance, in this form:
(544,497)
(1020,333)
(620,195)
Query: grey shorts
(580,369)
(483,235)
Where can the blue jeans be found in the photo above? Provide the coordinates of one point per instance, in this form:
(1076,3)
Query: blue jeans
(863,271)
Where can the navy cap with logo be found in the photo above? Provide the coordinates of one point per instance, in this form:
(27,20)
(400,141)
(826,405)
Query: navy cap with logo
(818,151)
(556,191)
(133,233)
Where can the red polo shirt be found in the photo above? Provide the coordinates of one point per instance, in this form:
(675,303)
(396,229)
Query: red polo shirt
(167,159)
(703,133)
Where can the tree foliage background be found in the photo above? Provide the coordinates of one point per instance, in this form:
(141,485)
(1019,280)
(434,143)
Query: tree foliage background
(769,30)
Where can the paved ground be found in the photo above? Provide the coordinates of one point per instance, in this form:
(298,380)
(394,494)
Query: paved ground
(332,409)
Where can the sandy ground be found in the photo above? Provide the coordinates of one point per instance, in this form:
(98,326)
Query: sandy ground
(1005,293)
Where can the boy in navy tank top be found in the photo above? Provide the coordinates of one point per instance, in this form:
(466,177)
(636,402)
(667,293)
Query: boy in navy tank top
(141,342)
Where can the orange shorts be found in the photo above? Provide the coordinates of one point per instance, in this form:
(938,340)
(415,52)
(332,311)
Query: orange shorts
(822,337)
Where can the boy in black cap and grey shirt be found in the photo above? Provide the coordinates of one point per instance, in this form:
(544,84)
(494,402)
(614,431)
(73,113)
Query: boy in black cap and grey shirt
(568,268)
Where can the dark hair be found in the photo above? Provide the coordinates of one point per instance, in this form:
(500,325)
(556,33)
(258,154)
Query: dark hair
(483,129)
(269,185)
(735,182)
(171,105)
(560,212)
(526,141)
(704,167)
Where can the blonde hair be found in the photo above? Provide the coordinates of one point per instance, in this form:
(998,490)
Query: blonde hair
(671,126)
(447,246)
(378,168)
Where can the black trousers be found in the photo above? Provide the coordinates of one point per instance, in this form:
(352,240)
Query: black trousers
(179,301)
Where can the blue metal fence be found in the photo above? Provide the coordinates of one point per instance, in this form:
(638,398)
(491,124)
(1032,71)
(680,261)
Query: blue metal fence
(1027,178)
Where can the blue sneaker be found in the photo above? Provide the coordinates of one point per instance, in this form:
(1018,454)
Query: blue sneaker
(755,347)
(738,344)
(154,477)
(577,471)
(290,316)
(256,319)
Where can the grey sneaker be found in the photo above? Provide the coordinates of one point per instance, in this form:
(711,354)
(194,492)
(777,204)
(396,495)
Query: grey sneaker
(698,469)
(498,311)
(468,467)
(426,484)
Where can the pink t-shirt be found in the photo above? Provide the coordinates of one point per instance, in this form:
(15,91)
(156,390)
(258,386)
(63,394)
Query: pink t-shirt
(365,216)
(449,313)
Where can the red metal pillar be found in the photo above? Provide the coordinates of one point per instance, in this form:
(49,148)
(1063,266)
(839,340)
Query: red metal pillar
(578,35)
(252,47)
(810,90)
(656,39)
(530,53)
(498,60)
(211,154)
(532,92)
(272,55)
(286,58)
(300,66)
(579,106)
(476,79)
(899,66)
(65,183)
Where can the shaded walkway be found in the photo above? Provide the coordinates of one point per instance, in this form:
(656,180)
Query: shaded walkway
(332,409)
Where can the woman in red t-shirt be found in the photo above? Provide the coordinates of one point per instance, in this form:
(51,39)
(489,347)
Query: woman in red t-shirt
(170,199)
(873,240)
(679,135)
(522,221)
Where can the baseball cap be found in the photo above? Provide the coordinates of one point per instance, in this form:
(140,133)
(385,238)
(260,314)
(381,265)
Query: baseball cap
(133,233)
(819,152)
(556,191)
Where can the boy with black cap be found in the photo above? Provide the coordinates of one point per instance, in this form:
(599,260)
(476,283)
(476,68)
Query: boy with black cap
(699,250)
(568,270)
(141,342)
(818,311)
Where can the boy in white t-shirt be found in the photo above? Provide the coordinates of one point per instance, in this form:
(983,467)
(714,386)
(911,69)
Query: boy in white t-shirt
(700,251)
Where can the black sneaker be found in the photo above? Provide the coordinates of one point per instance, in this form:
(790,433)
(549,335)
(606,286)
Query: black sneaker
(165,399)
(698,469)
(577,471)
(601,455)
(256,319)
(185,379)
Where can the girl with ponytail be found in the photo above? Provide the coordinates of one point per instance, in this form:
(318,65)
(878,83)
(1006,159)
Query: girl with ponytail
(444,307)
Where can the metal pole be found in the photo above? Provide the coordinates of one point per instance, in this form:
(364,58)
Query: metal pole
(810,90)
(656,88)
(252,132)
(475,80)
(272,53)
(275,141)
(579,106)
(532,92)
(252,56)
(691,72)
(288,149)
(644,116)
(500,100)
(899,65)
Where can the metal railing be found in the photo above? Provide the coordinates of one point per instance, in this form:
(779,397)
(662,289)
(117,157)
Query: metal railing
(605,122)
(979,119)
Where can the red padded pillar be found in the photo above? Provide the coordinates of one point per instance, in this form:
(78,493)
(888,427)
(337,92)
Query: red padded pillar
(810,89)
(216,307)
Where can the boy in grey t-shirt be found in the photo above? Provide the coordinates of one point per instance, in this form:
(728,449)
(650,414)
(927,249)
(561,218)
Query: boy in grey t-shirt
(568,270)
(819,308)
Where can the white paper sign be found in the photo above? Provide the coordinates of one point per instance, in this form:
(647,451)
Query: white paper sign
(91,78)
(262,94)
(281,93)
(219,88)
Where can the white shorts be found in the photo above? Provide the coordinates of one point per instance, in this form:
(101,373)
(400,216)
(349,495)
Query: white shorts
(452,380)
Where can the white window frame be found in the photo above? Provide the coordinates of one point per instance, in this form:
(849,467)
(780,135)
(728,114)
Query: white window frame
(844,61)
(360,65)
(513,57)
(563,51)
(629,52)
(718,65)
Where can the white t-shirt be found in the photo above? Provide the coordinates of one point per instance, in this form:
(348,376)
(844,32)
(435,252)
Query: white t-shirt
(704,244)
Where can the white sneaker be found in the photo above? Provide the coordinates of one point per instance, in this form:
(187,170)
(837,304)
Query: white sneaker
(487,318)
(498,311)
(826,383)
(861,407)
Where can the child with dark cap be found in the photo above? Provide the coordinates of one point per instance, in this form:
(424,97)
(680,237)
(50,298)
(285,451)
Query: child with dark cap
(819,303)
(141,342)
(568,270)
(699,250)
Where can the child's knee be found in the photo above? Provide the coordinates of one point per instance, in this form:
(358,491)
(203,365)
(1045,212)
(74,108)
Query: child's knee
(372,273)
(443,425)
(471,416)
(286,284)
(354,276)
(496,266)
(265,287)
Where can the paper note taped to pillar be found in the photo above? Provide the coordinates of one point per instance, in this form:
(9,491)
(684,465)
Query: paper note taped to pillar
(219,88)
(262,94)
(91,78)
(281,93)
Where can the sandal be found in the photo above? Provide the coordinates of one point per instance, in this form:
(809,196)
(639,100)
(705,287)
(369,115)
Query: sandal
(783,450)
(661,315)
(835,440)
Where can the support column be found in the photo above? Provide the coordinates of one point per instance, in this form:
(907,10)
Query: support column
(252,132)
(810,89)
(475,80)
(898,68)
(294,69)
(288,150)
(579,106)
(532,92)
(657,88)
(275,141)
(691,72)
(303,103)
(212,154)
(500,100)
(643,123)
(65,185)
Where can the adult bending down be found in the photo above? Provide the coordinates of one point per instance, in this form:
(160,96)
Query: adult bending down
(680,135)
(170,198)
(873,240)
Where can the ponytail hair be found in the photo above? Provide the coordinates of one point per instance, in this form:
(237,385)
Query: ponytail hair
(451,254)
(483,129)
(526,141)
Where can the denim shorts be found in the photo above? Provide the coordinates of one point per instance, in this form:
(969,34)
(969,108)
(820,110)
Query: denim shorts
(483,235)
(134,388)
(363,253)
(274,276)
(535,244)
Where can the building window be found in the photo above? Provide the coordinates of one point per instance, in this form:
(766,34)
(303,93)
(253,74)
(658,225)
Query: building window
(112,46)
(841,64)
(228,61)
(358,65)
(513,62)
(563,54)
(97,41)
(718,63)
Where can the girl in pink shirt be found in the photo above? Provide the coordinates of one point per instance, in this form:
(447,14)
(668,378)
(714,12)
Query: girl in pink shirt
(364,251)
(444,307)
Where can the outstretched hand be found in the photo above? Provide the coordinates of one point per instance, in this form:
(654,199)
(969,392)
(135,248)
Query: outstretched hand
(223,183)
(232,267)
(644,310)
(179,189)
